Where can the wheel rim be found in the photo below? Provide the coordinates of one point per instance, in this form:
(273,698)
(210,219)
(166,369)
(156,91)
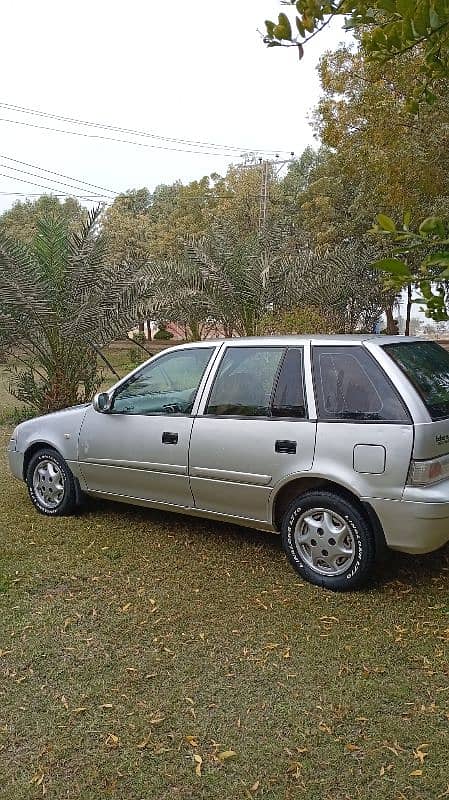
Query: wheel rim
(325,541)
(48,483)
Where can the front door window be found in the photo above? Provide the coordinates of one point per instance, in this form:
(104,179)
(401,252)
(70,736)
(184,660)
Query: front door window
(166,386)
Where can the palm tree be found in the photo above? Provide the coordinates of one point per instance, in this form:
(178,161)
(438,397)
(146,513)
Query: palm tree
(341,281)
(61,300)
(223,277)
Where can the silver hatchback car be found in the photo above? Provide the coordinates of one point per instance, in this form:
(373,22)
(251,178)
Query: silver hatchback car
(340,443)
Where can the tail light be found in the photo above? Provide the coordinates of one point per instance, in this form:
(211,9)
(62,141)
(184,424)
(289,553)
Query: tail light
(423,473)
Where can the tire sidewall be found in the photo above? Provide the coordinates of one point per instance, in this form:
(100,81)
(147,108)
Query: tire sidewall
(68,502)
(364,549)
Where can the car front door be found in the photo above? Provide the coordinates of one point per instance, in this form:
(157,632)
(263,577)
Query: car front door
(139,449)
(251,430)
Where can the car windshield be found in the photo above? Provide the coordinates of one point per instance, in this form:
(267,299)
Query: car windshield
(426,365)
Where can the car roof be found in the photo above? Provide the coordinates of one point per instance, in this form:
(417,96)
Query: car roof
(337,339)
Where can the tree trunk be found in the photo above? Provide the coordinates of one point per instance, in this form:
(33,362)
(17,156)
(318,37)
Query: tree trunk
(391,322)
(194,326)
(409,310)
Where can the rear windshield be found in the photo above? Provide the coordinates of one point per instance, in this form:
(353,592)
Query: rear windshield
(426,365)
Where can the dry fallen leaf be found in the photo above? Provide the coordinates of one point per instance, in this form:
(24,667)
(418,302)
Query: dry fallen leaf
(37,779)
(416,773)
(225,754)
(352,748)
(324,728)
(198,761)
(420,754)
(112,741)
(142,745)
(191,741)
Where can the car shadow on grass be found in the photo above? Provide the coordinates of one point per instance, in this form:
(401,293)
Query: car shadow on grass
(413,570)
(183,524)
(395,568)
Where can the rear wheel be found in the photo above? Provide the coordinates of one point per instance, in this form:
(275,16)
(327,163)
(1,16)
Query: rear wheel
(328,541)
(51,485)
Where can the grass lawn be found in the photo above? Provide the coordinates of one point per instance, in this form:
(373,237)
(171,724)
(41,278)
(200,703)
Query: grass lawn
(147,656)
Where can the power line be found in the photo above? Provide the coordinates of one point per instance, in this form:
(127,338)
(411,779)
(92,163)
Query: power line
(112,139)
(53,180)
(49,188)
(60,174)
(134,132)
(39,194)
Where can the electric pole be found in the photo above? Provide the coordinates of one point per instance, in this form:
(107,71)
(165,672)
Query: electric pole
(267,167)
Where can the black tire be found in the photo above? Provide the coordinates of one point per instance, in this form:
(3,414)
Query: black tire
(353,543)
(58,502)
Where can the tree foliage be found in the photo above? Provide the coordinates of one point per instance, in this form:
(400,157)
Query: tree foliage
(222,277)
(21,221)
(421,261)
(61,299)
(388,29)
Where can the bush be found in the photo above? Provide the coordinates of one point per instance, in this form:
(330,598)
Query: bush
(16,415)
(163,334)
(304,320)
(135,356)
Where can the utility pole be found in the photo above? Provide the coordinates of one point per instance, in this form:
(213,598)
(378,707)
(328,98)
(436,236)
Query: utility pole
(263,203)
(267,166)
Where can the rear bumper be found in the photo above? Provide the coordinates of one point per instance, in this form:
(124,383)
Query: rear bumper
(15,459)
(413,525)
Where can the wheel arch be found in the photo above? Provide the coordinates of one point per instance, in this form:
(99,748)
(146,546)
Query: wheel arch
(34,448)
(299,485)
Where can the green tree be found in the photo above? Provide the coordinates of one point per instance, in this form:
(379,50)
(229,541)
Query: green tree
(223,279)
(126,226)
(61,300)
(388,29)
(21,221)
(339,281)
(421,262)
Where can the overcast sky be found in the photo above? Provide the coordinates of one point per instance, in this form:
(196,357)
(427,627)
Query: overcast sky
(176,68)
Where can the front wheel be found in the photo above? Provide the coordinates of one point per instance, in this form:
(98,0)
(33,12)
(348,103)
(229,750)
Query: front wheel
(51,485)
(328,541)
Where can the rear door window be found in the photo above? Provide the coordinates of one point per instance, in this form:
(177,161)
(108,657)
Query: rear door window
(244,382)
(350,385)
(426,365)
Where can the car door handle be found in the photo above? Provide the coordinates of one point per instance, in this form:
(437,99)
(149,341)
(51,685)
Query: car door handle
(169,438)
(285,446)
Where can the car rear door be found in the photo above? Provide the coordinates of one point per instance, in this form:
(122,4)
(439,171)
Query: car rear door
(252,429)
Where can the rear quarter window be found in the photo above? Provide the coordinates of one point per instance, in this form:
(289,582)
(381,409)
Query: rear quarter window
(426,365)
(351,385)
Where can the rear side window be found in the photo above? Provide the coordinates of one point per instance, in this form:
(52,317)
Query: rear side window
(426,365)
(244,382)
(350,385)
